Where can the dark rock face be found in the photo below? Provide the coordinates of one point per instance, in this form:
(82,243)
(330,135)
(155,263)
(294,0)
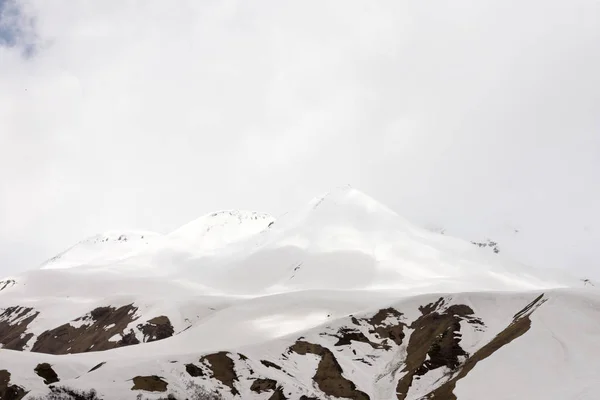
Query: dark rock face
(13,325)
(157,328)
(5,284)
(329,376)
(263,385)
(434,342)
(346,336)
(99,326)
(128,339)
(151,383)
(97,366)
(46,372)
(518,327)
(270,364)
(382,329)
(8,391)
(194,370)
(223,369)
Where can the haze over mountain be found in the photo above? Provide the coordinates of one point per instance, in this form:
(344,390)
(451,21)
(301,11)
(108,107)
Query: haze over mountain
(478,119)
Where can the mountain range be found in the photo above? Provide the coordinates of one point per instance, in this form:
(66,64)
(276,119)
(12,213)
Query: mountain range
(341,299)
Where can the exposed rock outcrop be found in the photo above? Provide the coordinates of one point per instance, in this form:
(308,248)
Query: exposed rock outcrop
(518,327)
(223,369)
(194,370)
(46,372)
(151,383)
(8,391)
(434,343)
(13,325)
(92,332)
(263,385)
(329,376)
(5,284)
(157,328)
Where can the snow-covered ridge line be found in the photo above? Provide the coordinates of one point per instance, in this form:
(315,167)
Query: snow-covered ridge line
(109,246)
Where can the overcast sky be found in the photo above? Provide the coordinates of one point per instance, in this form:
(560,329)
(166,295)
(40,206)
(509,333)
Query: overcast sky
(478,116)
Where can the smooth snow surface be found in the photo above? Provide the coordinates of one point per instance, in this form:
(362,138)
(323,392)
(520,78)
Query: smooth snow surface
(217,230)
(239,280)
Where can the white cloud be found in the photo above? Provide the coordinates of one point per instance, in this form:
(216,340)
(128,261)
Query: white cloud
(473,115)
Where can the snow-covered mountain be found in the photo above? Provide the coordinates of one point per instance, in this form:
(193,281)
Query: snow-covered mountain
(340,299)
(104,248)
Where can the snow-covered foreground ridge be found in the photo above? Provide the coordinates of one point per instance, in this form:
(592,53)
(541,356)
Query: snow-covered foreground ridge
(340,299)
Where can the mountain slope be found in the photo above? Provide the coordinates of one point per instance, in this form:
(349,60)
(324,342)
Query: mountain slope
(342,298)
(450,345)
(347,240)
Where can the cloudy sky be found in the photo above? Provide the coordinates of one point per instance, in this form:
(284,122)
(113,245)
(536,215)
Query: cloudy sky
(478,116)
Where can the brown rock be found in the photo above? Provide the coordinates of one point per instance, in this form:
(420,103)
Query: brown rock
(8,391)
(194,370)
(157,328)
(13,325)
(97,366)
(383,330)
(151,383)
(270,364)
(346,336)
(102,324)
(263,385)
(436,334)
(222,367)
(518,327)
(329,376)
(46,372)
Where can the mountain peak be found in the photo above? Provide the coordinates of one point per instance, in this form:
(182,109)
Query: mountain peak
(349,196)
(220,228)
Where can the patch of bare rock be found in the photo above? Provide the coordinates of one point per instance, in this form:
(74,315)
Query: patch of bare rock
(45,371)
(13,327)
(157,328)
(223,370)
(518,327)
(96,331)
(434,343)
(329,376)
(150,383)
(5,284)
(97,367)
(193,370)
(93,333)
(8,391)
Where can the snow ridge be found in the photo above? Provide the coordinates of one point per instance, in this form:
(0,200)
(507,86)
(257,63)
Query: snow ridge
(106,247)
(219,229)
